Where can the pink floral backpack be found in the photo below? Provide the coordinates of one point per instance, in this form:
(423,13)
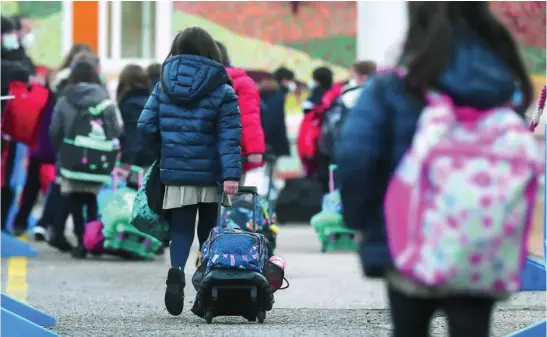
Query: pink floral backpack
(458,208)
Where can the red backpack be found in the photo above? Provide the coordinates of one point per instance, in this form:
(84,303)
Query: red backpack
(21,117)
(310,128)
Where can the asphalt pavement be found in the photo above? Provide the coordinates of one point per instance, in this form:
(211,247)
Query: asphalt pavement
(328,296)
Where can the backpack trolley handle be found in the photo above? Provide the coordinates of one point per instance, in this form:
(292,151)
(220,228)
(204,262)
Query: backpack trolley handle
(242,190)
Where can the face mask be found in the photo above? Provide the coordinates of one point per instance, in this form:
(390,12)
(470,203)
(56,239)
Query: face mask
(28,40)
(10,41)
(353,82)
(103,79)
(311,84)
(291,86)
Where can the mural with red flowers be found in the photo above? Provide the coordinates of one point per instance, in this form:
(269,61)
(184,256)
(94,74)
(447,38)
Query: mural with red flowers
(326,30)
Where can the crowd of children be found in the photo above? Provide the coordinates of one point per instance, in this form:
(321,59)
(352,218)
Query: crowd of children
(205,122)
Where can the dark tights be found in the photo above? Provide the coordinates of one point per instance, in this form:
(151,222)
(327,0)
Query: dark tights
(182,223)
(76,203)
(467,316)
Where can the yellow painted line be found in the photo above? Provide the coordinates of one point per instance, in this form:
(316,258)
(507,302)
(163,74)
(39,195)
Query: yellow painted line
(17,285)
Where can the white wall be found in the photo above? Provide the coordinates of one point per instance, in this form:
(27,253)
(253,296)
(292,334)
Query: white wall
(381,27)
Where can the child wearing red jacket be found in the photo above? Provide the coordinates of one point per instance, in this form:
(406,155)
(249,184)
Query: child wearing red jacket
(248,96)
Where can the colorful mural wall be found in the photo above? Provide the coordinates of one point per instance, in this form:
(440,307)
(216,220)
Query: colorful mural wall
(265,35)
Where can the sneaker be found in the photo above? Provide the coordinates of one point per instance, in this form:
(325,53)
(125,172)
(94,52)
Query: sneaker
(40,234)
(174,293)
(79,252)
(60,242)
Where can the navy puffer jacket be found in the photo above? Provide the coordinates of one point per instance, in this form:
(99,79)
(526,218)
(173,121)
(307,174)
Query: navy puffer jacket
(192,120)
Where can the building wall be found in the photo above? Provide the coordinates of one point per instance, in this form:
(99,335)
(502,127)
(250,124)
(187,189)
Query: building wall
(259,35)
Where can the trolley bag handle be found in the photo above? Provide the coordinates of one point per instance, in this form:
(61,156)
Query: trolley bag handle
(332,167)
(241,190)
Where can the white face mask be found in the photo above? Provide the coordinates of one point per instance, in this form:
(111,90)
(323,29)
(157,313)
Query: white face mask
(311,84)
(291,86)
(353,82)
(28,40)
(10,41)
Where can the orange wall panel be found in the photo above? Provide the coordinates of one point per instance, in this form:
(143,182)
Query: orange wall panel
(85,23)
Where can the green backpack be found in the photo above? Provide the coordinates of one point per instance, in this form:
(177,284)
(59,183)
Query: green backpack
(119,235)
(143,218)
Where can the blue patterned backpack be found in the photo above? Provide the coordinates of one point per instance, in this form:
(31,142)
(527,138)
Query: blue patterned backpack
(234,249)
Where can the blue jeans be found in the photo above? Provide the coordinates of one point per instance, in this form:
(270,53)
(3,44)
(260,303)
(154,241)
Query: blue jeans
(182,221)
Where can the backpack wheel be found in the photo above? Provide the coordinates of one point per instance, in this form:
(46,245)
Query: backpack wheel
(209,317)
(261,316)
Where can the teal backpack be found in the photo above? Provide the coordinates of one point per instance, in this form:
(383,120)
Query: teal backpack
(143,218)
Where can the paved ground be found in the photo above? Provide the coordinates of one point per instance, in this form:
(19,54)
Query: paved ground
(327,297)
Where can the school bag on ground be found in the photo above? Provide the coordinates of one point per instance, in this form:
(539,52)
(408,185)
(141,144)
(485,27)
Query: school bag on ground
(459,203)
(89,150)
(298,201)
(240,215)
(113,234)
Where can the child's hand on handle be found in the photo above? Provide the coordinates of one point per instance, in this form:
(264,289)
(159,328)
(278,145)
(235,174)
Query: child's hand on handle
(255,158)
(230,187)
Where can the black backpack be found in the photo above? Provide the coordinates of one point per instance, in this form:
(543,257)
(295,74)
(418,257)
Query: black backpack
(89,150)
(299,201)
(331,124)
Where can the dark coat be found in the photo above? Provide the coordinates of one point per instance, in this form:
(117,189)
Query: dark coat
(134,151)
(192,121)
(272,113)
(380,128)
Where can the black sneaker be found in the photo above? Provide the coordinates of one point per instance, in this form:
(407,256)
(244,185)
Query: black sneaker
(79,252)
(174,294)
(60,242)
(40,234)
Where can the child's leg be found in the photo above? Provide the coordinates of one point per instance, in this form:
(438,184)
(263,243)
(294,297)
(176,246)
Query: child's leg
(182,223)
(77,202)
(92,208)
(468,316)
(60,212)
(30,195)
(411,316)
(208,213)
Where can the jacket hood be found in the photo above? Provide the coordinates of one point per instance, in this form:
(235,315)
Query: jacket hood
(189,78)
(235,73)
(476,76)
(85,94)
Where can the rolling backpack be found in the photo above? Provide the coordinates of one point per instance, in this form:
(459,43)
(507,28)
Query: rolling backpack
(114,234)
(458,208)
(234,249)
(89,150)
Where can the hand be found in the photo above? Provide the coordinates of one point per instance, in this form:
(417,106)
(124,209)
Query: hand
(255,158)
(230,187)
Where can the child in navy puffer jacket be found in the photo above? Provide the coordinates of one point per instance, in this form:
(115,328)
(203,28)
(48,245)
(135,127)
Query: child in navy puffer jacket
(192,122)
(460,49)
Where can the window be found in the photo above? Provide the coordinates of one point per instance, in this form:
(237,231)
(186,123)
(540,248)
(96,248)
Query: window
(138,29)
(136,21)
